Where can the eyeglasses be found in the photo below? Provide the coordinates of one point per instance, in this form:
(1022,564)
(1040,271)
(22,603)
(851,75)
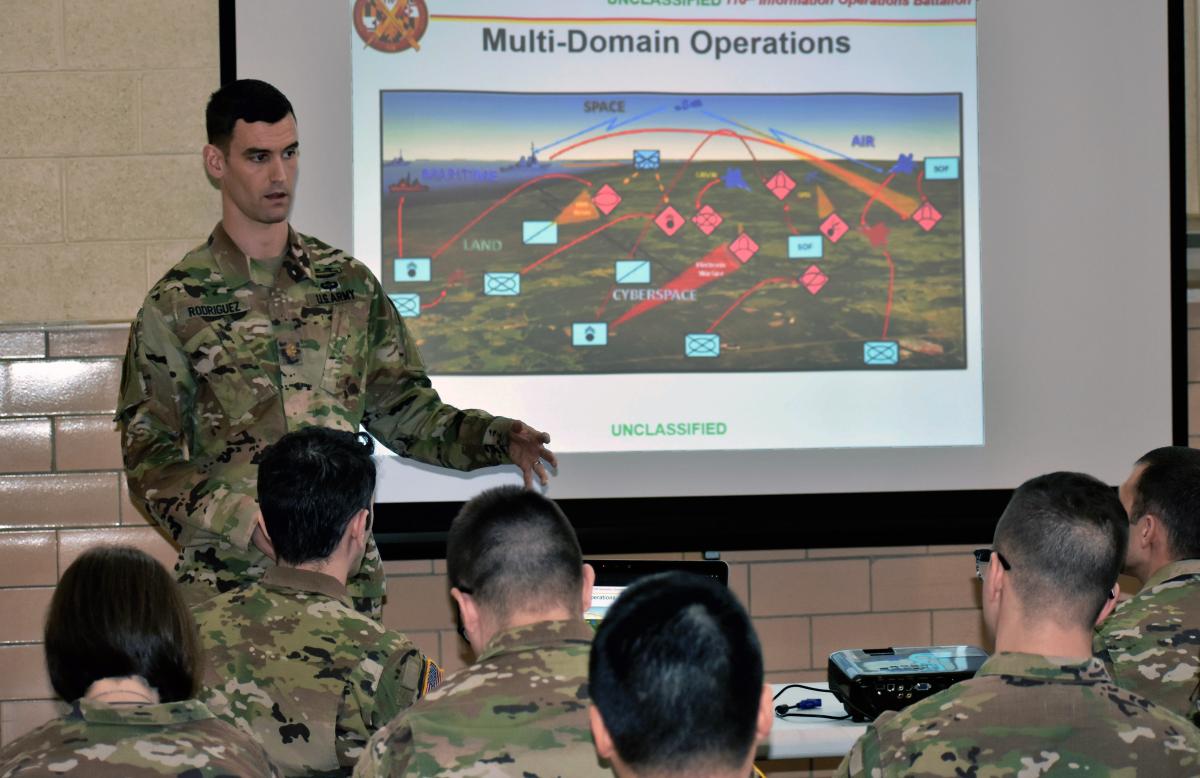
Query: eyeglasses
(983,556)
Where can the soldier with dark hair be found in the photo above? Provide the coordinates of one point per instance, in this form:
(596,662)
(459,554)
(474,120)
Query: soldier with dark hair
(1042,704)
(261,331)
(518,577)
(1151,642)
(121,649)
(288,659)
(676,674)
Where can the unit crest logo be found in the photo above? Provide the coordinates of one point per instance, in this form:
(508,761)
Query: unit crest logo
(391,26)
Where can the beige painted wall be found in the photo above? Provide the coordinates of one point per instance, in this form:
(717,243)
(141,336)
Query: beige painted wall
(101,184)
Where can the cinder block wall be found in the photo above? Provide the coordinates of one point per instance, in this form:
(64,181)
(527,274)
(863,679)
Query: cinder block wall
(102,190)
(101,124)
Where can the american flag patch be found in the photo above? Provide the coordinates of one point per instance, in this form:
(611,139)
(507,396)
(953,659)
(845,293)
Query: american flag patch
(431,677)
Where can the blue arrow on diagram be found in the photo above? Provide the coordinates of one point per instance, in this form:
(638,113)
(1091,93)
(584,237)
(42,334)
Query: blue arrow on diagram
(607,125)
(780,135)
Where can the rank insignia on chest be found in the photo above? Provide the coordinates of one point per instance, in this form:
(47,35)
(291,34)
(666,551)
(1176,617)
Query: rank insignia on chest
(290,352)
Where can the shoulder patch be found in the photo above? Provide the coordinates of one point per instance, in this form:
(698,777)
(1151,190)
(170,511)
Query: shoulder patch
(431,677)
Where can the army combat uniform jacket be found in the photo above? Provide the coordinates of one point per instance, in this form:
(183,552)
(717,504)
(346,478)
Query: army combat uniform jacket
(1024,714)
(291,662)
(226,356)
(520,710)
(1152,641)
(136,741)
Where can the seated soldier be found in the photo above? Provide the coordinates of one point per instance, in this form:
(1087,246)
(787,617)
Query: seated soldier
(288,657)
(121,648)
(1150,643)
(677,681)
(1042,704)
(518,577)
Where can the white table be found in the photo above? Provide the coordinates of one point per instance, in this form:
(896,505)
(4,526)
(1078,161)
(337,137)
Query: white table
(797,738)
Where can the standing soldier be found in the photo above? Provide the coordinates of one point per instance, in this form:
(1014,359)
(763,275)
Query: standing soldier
(263,330)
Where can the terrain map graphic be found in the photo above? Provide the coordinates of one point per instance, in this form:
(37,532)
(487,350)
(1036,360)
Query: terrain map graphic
(641,232)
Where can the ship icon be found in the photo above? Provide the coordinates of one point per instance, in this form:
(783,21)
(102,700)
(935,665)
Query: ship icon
(525,162)
(408,184)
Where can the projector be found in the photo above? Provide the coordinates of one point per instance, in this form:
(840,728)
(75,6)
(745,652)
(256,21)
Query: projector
(868,681)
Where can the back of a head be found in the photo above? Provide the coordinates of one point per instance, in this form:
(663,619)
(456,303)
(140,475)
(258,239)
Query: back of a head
(676,671)
(1169,487)
(247,99)
(514,551)
(311,482)
(116,613)
(1064,534)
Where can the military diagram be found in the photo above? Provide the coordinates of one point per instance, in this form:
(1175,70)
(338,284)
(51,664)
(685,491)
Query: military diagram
(644,232)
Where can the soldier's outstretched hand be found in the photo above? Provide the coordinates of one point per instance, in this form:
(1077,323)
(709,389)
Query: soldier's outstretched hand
(527,449)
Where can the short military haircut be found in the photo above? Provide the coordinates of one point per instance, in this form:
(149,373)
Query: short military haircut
(311,482)
(514,551)
(116,613)
(1169,487)
(247,99)
(1064,535)
(677,672)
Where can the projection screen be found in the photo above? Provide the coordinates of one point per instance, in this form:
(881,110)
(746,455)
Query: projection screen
(750,263)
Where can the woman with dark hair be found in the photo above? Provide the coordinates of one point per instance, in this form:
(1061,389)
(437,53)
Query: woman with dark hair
(121,646)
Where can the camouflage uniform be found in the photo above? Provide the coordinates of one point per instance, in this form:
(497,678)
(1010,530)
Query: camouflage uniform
(1150,642)
(520,710)
(226,356)
(1024,714)
(131,741)
(290,661)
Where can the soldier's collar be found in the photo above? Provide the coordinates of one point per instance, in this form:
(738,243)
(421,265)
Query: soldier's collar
(542,634)
(235,265)
(296,257)
(164,713)
(307,581)
(1044,668)
(1181,567)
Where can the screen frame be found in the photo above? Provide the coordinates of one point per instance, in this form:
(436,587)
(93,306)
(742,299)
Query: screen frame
(616,525)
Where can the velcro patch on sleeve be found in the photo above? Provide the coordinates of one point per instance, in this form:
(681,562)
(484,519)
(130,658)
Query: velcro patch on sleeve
(431,677)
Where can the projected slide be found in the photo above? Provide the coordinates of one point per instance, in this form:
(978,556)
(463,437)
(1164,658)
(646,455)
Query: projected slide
(649,227)
(629,233)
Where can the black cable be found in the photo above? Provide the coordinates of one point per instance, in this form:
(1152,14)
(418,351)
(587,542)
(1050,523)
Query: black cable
(782,711)
(810,716)
(817,689)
